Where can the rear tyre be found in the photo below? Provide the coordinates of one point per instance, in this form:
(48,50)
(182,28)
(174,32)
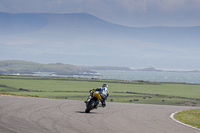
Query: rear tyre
(90,106)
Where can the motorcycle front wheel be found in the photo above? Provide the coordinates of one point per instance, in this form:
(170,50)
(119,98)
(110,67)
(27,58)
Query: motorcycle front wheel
(90,106)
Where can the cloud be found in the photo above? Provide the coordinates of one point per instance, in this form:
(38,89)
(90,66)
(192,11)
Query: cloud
(133,5)
(160,12)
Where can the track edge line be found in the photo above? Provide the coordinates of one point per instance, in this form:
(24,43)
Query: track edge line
(172,117)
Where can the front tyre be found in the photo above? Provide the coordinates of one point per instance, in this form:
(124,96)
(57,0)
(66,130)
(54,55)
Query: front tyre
(90,106)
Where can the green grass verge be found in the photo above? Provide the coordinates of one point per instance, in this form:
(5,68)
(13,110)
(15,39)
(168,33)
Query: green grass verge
(120,91)
(190,117)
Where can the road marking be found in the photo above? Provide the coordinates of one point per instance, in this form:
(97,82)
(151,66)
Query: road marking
(172,117)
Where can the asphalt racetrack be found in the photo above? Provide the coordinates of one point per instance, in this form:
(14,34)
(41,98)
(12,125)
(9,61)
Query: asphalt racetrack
(37,115)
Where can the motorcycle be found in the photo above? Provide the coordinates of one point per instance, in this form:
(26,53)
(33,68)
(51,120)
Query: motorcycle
(94,102)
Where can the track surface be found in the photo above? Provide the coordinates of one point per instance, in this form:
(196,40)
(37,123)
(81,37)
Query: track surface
(37,115)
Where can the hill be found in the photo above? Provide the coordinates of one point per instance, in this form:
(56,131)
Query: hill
(24,67)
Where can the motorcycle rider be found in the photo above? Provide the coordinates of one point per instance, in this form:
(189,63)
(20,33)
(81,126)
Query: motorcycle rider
(103,91)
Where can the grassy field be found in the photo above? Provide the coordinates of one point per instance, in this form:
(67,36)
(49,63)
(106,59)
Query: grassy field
(120,91)
(190,117)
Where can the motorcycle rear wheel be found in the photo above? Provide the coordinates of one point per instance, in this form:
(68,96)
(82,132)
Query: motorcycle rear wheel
(90,106)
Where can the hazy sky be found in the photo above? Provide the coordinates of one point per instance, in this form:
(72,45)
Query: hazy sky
(136,13)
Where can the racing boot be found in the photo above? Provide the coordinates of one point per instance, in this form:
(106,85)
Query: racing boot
(103,103)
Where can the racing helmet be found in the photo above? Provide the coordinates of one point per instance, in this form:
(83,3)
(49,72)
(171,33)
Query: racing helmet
(105,85)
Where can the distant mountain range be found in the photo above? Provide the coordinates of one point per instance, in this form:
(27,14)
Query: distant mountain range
(83,39)
(69,28)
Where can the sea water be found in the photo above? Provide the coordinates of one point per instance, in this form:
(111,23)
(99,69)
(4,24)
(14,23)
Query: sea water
(158,76)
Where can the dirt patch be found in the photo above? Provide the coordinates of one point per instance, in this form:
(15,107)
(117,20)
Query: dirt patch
(188,103)
(10,95)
